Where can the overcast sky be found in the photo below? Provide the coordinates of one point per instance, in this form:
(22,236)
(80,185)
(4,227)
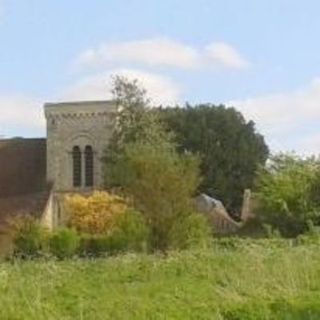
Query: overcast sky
(262,56)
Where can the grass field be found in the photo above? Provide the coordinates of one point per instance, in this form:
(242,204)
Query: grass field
(251,280)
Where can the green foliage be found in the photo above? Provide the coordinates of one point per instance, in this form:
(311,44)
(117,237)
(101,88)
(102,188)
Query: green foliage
(94,245)
(191,231)
(253,228)
(131,233)
(64,243)
(262,279)
(30,238)
(286,193)
(311,236)
(271,232)
(229,147)
(161,183)
(142,160)
(136,122)
(136,119)
(308,239)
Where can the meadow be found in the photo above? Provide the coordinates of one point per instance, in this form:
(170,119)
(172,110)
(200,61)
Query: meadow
(233,279)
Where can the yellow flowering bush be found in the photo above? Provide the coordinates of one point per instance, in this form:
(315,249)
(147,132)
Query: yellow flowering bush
(95,214)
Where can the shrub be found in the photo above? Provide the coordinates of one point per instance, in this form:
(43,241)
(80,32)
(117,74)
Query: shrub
(64,243)
(130,234)
(271,232)
(94,245)
(95,214)
(311,236)
(286,193)
(252,228)
(30,237)
(192,230)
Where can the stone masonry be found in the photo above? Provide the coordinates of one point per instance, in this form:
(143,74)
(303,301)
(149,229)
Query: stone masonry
(76,124)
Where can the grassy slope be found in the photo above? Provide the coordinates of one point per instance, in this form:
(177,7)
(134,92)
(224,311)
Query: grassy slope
(251,282)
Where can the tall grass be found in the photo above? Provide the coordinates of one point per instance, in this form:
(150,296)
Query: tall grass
(245,280)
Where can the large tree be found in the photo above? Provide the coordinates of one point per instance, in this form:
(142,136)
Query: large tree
(230,148)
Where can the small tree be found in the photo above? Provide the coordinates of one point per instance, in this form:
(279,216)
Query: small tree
(132,103)
(161,184)
(143,161)
(136,122)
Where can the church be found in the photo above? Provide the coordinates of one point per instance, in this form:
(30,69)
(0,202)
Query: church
(36,173)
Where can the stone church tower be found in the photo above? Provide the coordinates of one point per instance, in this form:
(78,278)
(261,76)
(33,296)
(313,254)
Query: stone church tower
(37,173)
(77,135)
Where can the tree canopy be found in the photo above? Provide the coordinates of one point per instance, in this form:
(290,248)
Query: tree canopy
(229,147)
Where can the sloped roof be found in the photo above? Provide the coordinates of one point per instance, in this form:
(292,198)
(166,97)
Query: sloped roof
(22,166)
(23,186)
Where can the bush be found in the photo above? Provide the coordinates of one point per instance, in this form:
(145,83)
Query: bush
(130,234)
(252,228)
(192,230)
(64,243)
(311,236)
(287,194)
(30,237)
(94,245)
(95,214)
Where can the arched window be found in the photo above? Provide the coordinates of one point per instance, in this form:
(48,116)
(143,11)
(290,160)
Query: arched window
(76,157)
(89,167)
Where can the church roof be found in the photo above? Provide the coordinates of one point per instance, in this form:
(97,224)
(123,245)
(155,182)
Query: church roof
(23,166)
(23,186)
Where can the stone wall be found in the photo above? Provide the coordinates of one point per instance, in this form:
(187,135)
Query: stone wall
(76,124)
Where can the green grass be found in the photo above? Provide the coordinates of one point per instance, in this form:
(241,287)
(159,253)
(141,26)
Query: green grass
(241,280)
